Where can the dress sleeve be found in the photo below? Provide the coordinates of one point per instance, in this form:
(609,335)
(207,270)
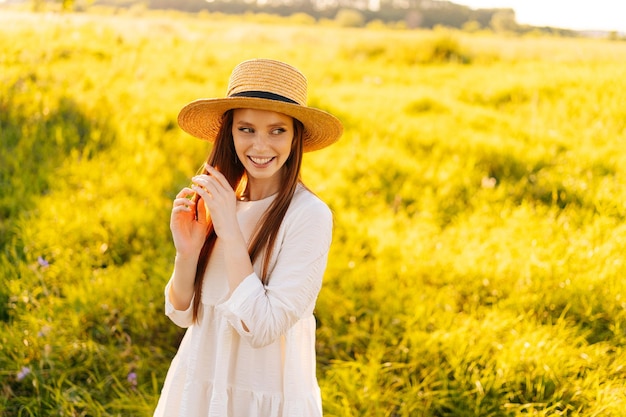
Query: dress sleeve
(181,318)
(294,283)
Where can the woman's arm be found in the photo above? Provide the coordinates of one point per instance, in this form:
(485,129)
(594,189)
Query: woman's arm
(181,290)
(188,234)
(261,314)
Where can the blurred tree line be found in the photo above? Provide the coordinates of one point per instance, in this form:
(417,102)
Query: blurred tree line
(412,13)
(416,13)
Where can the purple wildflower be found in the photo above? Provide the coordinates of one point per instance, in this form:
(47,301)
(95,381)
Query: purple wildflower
(42,262)
(23,373)
(132,379)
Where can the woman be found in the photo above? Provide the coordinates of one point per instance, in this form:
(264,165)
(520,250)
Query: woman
(251,249)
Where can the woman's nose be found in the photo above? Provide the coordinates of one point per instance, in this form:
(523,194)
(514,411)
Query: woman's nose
(260,141)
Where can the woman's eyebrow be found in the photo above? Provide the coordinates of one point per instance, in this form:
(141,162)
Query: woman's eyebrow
(278,123)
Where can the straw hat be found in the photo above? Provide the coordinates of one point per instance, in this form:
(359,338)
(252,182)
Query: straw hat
(265,85)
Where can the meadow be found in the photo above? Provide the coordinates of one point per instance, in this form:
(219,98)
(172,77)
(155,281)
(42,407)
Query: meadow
(479,195)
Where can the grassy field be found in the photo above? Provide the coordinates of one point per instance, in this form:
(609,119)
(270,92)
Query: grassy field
(479,194)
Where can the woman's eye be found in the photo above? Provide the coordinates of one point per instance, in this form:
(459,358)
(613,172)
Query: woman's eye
(245,129)
(278,131)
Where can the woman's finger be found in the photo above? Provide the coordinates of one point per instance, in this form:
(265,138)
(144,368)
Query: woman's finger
(185,192)
(203,191)
(183,201)
(213,180)
(202,180)
(210,188)
(185,209)
(219,177)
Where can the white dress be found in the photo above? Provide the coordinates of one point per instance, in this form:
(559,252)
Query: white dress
(221,369)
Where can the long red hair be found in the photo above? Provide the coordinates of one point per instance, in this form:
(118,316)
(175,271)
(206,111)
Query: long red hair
(224,158)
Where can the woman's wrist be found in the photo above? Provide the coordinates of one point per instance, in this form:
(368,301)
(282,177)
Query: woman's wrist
(184,257)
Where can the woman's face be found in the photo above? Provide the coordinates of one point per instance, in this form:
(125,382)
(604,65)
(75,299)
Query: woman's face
(263,143)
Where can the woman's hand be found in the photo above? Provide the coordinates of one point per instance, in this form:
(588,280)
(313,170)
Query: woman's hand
(220,201)
(188,233)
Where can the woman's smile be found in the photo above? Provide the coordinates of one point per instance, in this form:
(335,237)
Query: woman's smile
(261,161)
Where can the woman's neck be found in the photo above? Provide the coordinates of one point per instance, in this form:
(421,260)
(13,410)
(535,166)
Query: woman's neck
(261,191)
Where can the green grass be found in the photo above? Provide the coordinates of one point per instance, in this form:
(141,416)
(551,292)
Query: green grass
(478,192)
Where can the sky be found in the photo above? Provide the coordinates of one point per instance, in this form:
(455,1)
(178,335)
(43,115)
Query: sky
(566,14)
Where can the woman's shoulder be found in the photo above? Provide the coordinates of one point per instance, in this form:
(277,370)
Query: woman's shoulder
(307,201)
(308,212)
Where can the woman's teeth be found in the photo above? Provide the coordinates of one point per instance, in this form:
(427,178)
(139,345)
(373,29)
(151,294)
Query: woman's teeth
(260,161)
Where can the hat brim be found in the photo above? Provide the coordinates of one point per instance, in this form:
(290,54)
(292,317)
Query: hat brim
(202,118)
